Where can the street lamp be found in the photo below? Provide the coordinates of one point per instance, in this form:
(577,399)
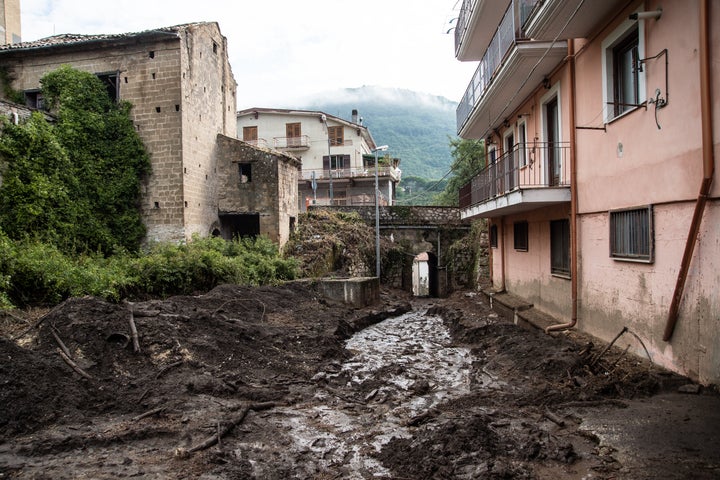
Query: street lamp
(377,212)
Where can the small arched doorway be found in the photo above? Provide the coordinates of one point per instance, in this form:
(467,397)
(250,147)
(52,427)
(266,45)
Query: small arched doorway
(424,275)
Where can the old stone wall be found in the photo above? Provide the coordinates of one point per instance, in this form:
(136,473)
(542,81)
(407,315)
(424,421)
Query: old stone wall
(405,215)
(183,95)
(268,189)
(149,78)
(208,109)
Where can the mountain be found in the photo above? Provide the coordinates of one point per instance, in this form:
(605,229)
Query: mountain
(416,126)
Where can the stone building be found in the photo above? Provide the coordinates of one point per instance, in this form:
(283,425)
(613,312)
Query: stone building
(257,191)
(182,89)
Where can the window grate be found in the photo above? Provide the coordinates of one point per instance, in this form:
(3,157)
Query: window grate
(631,234)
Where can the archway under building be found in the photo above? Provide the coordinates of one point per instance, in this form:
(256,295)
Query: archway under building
(425,275)
(233,225)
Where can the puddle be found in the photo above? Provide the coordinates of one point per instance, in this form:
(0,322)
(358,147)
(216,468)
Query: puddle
(413,368)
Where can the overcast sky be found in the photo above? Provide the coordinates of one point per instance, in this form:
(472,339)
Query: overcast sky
(283,51)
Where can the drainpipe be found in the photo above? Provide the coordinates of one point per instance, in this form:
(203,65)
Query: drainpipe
(708,167)
(573,203)
(502,254)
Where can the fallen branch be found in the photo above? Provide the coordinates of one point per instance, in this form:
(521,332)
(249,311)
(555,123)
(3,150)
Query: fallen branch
(234,421)
(168,367)
(38,323)
(149,413)
(262,314)
(73,365)
(554,418)
(133,329)
(59,342)
(608,346)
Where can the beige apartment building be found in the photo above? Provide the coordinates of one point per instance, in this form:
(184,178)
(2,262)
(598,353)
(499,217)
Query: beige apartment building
(183,93)
(337,155)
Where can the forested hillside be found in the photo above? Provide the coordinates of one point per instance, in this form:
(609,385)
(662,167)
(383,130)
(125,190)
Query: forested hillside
(416,126)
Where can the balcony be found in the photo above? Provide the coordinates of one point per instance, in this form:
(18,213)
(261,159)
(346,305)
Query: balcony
(510,69)
(350,173)
(550,19)
(259,142)
(472,36)
(530,176)
(291,143)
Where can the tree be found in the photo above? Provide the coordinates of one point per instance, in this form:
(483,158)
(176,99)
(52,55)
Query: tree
(468,160)
(74,183)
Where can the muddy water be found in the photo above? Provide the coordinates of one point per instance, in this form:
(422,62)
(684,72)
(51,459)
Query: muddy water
(400,368)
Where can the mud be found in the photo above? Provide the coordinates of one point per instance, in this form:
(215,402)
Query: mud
(277,382)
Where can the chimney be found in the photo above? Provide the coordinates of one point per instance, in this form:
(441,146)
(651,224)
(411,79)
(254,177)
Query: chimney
(354,116)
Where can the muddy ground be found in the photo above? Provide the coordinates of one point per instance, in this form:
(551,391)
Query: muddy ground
(277,383)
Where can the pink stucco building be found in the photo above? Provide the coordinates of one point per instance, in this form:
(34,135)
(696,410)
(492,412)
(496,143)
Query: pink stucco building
(601,125)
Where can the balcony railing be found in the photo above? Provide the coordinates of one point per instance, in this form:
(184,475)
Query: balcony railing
(324,174)
(462,23)
(260,142)
(508,32)
(530,165)
(303,141)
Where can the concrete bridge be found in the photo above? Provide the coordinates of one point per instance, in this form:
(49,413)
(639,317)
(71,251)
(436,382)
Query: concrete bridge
(429,266)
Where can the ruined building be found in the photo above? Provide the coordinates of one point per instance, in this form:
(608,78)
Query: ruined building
(182,89)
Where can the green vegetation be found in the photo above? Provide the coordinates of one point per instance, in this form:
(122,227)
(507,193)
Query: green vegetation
(468,159)
(36,273)
(74,183)
(70,222)
(419,191)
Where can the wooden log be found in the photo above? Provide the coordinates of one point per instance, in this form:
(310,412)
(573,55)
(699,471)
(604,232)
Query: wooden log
(73,365)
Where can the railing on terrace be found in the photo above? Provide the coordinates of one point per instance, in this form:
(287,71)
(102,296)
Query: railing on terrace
(303,141)
(260,142)
(508,32)
(529,165)
(320,173)
(462,23)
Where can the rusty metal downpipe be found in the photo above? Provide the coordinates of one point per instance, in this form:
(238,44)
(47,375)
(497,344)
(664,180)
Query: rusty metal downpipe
(573,203)
(708,167)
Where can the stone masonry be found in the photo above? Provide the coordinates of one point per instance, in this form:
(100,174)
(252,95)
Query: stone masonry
(182,89)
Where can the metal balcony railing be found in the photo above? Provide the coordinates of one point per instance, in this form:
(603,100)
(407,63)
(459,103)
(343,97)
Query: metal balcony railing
(508,32)
(303,141)
(529,165)
(260,142)
(323,174)
(462,23)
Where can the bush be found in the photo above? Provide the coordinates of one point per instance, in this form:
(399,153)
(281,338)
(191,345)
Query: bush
(36,273)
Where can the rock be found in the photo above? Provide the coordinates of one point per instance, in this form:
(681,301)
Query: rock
(689,388)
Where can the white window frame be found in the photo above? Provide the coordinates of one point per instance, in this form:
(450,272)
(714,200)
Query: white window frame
(607,45)
(523,161)
(552,93)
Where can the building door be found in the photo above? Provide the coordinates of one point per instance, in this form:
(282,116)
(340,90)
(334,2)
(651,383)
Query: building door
(293,134)
(553,141)
(510,162)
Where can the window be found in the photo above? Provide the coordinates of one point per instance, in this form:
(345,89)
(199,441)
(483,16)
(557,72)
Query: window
(110,80)
(493,236)
(250,134)
(520,234)
(293,133)
(522,140)
(560,247)
(34,99)
(625,73)
(631,234)
(245,172)
(623,76)
(336,135)
(336,162)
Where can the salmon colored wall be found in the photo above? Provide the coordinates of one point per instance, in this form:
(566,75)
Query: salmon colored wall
(637,295)
(527,274)
(656,165)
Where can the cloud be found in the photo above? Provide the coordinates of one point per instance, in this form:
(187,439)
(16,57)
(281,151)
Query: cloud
(282,50)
